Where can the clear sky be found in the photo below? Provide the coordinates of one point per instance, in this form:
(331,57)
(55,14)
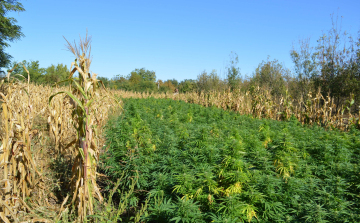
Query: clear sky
(176,39)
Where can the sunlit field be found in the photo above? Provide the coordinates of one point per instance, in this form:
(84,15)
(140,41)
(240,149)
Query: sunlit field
(275,141)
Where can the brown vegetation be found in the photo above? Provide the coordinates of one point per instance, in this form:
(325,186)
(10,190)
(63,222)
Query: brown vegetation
(34,134)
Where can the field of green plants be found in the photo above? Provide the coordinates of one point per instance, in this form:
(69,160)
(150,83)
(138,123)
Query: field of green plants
(197,164)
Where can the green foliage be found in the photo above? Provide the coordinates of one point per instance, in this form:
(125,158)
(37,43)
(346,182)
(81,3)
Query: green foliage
(105,81)
(209,82)
(140,80)
(147,86)
(334,58)
(233,75)
(54,74)
(199,164)
(271,75)
(35,71)
(332,66)
(306,68)
(174,82)
(145,75)
(9,31)
(110,212)
(167,86)
(187,85)
(49,76)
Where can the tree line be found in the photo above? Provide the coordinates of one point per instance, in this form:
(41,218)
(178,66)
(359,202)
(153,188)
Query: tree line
(331,66)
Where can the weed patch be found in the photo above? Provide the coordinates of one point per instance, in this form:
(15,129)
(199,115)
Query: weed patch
(198,164)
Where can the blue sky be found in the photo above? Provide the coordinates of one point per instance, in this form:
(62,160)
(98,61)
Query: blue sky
(176,39)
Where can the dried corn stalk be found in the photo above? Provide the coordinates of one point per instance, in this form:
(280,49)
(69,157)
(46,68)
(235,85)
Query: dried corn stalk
(83,93)
(19,170)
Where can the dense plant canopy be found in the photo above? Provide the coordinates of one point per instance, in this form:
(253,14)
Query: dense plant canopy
(208,165)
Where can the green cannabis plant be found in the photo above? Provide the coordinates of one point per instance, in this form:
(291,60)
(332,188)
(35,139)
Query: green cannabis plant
(204,164)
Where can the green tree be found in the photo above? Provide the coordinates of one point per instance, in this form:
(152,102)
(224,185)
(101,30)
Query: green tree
(167,86)
(271,75)
(146,86)
(105,81)
(116,81)
(9,31)
(36,72)
(215,82)
(187,85)
(336,55)
(146,75)
(202,82)
(134,78)
(174,82)
(306,67)
(209,82)
(54,74)
(233,74)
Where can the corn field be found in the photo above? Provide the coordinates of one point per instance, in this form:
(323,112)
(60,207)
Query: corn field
(259,103)
(39,123)
(35,127)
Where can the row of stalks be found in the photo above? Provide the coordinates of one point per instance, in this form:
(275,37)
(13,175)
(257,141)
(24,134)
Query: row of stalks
(42,123)
(20,176)
(314,108)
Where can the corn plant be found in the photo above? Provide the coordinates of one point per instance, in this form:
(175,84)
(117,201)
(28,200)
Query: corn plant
(83,93)
(20,176)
